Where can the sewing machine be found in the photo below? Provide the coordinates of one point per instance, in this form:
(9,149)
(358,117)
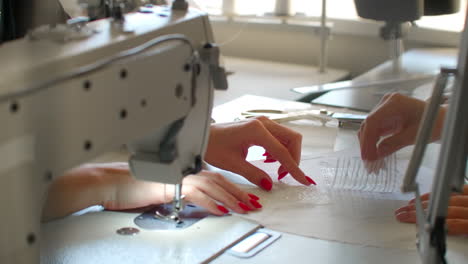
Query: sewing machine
(66,90)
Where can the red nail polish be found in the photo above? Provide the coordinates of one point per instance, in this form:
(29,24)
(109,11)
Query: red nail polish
(253,196)
(281,169)
(244,206)
(223,209)
(266,184)
(266,154)
(269,160)
(256,204)
(310,180)
(281,175)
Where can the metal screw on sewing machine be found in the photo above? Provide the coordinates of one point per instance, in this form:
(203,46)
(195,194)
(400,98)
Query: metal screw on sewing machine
(48,176)
(88,145)
(87,85)
(179,91)
(123,73)
(31,238)
(14,107)
(123,114)
(128,231)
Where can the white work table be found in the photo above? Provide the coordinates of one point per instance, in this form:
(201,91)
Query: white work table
(91,238)
(297,248)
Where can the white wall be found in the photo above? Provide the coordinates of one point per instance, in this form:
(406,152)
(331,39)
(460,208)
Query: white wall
(353,49)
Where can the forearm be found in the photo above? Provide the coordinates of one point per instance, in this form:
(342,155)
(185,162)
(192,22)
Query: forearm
(77,189)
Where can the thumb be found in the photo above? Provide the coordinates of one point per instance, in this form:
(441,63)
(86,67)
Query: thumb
(393,143)
(254,175)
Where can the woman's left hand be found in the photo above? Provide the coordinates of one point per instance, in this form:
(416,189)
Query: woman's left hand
(457,215)
(229,144)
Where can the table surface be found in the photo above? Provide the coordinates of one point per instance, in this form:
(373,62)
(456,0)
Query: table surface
(319,140)
(275,80)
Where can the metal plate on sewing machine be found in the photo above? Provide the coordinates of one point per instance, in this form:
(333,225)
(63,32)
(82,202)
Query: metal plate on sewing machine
(190,215)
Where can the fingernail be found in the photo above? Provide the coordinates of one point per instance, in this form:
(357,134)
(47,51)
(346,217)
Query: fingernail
(401,210)
(266,154)
(310,180)
(266,184)
(281,169)
(244,206)
(255,203)
(223,209)
(269,160)
(402,217)
(281,175)
(253,196)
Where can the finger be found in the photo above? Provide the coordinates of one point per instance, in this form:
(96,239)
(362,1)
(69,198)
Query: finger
(196,196)
(209,187)
(254,175)
(369,139)
(395,142)
(426,196)
(453,212)
(240,195)
(459,200)
(457,226)
(288,137)
(423,197)
(454,226)
(265,139)
(457,212)
(410,207)
(384,120)
(406,216)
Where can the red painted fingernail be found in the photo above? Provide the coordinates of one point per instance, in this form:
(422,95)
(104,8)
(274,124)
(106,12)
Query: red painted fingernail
(281,175)
(266,184)
(253,196)
(281,169)
(255,203)
(266,154)
(269,160)
(223,209)
(244,206)
(403,217)
(310,180)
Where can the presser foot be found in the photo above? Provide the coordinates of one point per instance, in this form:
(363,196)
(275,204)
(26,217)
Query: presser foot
(161,217)
(174,215)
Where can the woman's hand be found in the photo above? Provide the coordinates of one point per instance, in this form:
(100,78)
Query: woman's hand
(392,125)
(112,186)
(457,216)
(229,144)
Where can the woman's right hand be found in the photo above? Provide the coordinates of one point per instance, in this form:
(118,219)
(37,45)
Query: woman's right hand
(112,186)
(392,125)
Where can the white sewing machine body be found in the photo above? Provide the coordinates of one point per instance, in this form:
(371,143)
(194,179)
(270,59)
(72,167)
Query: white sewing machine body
(134,101)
